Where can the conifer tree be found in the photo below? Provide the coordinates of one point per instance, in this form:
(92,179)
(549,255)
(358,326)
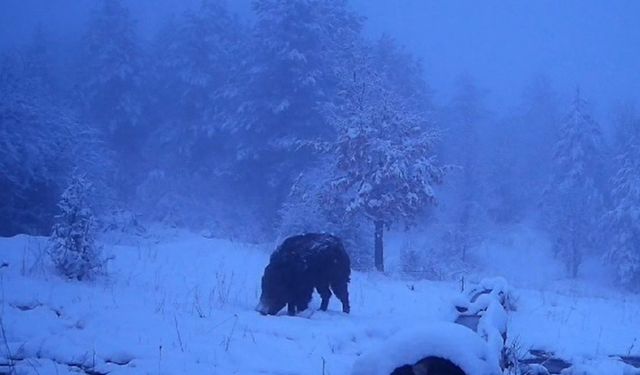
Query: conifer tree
(41,141)
(466,115)
(110,88)
(198,58)
(297,49)
(73,248)
(623,220)
(574,198)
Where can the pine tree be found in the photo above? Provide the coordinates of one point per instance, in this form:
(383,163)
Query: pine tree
(73,249)
(623,220)
(198,59)
(466,115)
(36,61)
(297,48)
(112,68)
(110,87)
(521,153)
(539,120)
(41,140)
(506,203)
(574,198)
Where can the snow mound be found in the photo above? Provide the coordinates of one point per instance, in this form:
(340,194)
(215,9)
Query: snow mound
(450,341)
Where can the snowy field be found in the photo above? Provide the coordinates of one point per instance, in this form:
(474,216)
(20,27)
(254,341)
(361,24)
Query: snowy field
(184,304)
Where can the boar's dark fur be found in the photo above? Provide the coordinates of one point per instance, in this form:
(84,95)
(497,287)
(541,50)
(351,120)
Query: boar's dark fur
(300,264)
(430,366)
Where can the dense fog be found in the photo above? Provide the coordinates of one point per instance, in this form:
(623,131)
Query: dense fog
(431,126)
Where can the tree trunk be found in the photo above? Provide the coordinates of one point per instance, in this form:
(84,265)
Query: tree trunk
(378,249)
(464,251)
(574,261)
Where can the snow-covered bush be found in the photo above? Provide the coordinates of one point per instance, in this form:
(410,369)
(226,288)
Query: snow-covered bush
(499,289)
(73,249)
(452,342)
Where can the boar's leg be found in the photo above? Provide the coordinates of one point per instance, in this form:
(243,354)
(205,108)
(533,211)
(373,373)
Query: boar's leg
(303,298)
(325,294)
(341,291)
(302,306)
(291,308)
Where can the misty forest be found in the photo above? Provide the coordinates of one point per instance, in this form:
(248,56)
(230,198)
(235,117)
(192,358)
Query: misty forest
(462,177)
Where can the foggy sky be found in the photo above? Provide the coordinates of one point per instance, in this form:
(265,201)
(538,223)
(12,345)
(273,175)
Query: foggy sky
(502,44)
(593,43)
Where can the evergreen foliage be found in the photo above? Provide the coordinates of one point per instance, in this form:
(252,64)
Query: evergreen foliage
(74,251)
(623,220)
(574,198)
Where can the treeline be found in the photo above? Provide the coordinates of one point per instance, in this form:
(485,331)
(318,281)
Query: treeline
(212,122)
(297,121)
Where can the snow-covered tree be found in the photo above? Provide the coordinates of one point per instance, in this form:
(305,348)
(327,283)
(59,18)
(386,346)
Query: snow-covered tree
(521,151)
(41,140)
(625,119)
(73,248)
(465,118)
(573,198)
(505,203)
(538,123)
(110,81)
(297,49)
(111,71)
(623,220)
(37,64)
(305,210)
(403,73)
(384,167)
(198,58)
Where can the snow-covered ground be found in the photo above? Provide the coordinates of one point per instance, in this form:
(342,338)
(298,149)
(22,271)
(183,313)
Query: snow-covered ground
(184,304)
